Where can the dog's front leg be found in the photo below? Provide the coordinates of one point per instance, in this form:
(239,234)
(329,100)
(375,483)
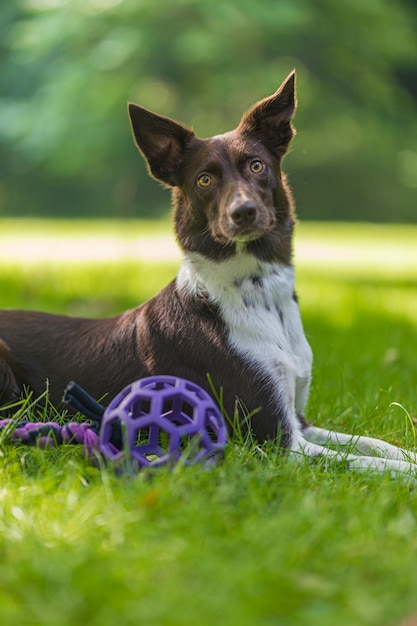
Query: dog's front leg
(354,462)
(368,446)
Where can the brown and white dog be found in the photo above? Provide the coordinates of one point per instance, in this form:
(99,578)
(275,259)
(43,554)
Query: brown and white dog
(231,312)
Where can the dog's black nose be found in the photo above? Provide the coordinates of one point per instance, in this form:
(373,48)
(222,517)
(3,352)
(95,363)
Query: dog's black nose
(244,214)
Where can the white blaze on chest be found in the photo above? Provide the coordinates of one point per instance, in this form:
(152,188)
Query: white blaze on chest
(262,319)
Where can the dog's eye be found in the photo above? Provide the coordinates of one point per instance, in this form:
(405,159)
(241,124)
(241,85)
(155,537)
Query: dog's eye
(204,180)
(256,166)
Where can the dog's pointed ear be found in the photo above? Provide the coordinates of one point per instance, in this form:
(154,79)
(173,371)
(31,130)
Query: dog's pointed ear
(161,141)
(270,119)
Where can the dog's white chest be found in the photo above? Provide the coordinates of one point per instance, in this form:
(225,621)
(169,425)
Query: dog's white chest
(264,326)
(262,319)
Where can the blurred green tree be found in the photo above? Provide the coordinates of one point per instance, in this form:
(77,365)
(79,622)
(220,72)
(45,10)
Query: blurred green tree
(69,66)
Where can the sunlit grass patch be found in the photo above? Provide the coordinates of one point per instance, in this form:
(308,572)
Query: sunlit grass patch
(87,288)
(351,250)
(33,241)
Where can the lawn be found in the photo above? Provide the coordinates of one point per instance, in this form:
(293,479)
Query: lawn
(256,541)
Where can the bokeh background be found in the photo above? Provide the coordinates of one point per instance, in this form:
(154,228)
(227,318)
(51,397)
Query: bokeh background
(68,67)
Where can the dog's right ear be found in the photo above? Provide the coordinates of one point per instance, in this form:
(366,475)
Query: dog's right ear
(161,141)
(270,119)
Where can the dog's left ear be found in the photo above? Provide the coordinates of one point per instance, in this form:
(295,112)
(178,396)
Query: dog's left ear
(161,141)
(270,119)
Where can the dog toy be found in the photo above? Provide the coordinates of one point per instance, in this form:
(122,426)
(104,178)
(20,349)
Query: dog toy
(151,422)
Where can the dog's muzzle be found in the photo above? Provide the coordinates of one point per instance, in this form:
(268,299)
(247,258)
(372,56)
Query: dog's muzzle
(243,222)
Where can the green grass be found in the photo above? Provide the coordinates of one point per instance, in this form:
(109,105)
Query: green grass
(256,541)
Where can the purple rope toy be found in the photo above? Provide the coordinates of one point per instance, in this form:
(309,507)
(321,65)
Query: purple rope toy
(151,422)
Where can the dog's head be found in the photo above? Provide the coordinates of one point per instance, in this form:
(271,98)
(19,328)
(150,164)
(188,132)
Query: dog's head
(228,190)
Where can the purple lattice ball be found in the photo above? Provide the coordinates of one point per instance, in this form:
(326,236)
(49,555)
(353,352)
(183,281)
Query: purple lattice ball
(159,420)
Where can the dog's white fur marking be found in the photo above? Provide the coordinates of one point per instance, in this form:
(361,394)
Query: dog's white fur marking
(380,456)
(264,326)
(262,319)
